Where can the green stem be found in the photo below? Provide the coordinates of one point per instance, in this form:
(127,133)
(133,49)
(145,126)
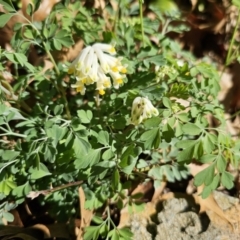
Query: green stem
(141,19)
(58,87)
(13,134)
(229,54)
(117,17)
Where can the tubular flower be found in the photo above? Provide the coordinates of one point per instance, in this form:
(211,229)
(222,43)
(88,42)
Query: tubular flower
(142,109)
(97,64)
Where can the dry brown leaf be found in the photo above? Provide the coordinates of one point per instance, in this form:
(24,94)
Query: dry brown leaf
(125,218)
(17,221)
(158,192)
(149,207)
(43,10)
(86,215)
(35,194)
(209,203)
(43,228)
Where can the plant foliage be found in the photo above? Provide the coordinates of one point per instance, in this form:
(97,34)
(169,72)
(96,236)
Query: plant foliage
(51,136)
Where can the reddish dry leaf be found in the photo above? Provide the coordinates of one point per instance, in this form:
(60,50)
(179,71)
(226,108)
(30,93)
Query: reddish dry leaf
(43,10)
(86,215)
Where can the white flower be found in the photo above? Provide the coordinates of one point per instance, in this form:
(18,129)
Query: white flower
(96,64)
(142,109)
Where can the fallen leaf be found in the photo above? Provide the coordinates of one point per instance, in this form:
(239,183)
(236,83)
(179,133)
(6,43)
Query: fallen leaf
(86,215)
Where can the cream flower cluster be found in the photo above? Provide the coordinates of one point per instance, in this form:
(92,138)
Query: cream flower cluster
(96,64)
(142,109)
(163,71)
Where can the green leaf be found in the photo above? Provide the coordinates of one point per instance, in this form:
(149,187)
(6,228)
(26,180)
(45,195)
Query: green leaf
(205,176)
(236,3)
(215,182)
(69,139)
(221,163)
(168,133)
(186,155)
(176,172)
(4,18)
(30,9)
(90,232)
(209,158)
(125,233)
(130,166)
(208,144)
(166,102)
(129,158)
(85,116)
(50,153)
(56,133)
(142,164)
(191,129)
(62,38)
(81,163)
(210,175)
(7,6)
(183,117)
(80,147)
(22,191)
(198,150)
(168,173)
(115,235)
(103,138)
(108,154)
(8,216)
(57,44)
(3,108)
(10,116)
(185,143)
(227,180)
(152,122)
(158,60)
(151,138)
(40,172)
(52,30)
(23,61)
(178,131)
(93,156)
(9,155)
(89,159)
(58,109)
(206,191)
(6,186)
(97,219)
(194,111)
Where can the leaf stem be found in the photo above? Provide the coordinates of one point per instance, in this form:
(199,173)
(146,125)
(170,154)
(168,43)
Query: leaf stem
(229,54)
(59,86)
(141,19)
(13,134)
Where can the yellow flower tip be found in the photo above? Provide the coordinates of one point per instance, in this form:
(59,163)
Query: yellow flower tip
(79,89)
(107,84)
(70,70)
(101,92)
(119,81)
(115,69)
(112,50)
(124,70)
(84,80)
